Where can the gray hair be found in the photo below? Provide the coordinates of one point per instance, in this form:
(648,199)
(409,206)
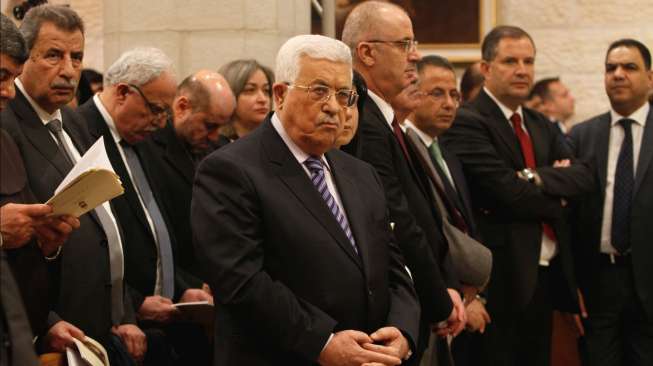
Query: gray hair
(12,43)
(138,66)
(363,20)
(238,72)
(311,45)
(61,16)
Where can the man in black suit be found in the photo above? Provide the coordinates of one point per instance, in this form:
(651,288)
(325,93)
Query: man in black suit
(613,228)
(510,156)
(204,102)
(384,51)
(295,240)
(432,117)
(139,90)
(51,139)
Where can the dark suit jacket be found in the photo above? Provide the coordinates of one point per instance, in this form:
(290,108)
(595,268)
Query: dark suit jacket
(412,209)
(168,164)
(84,297)
(590,141)
(139,248)
(284,274)
(510,210)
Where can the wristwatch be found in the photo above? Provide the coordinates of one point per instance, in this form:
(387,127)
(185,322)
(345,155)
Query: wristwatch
(529,175)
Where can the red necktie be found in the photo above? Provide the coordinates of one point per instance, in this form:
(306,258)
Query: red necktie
(400,137)
(529,157)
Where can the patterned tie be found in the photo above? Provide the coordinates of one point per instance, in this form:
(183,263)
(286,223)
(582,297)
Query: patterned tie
(116,262)
(624,180)
(318,178)
(529,157)
(161,234)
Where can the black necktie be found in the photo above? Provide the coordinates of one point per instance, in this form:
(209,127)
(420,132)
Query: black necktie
(624,180)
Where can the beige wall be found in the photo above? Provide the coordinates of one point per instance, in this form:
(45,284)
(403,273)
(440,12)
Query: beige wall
(572,36)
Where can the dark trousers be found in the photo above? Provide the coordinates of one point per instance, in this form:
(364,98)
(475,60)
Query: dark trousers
(617,331)
(524,337)
(178,343)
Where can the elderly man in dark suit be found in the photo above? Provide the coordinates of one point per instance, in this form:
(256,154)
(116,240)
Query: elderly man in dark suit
(518,168)
(51,139)
(384,51)
(614,231)
(139,89)
(204,102)
(295,238)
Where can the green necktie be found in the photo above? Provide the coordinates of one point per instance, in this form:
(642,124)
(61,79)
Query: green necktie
(436,153)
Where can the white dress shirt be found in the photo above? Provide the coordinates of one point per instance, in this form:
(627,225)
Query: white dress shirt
(385,107)
(158,285)
(428,140)
(47,117)
(549,248)
(614,145)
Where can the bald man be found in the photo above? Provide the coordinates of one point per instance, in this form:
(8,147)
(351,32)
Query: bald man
(203,103)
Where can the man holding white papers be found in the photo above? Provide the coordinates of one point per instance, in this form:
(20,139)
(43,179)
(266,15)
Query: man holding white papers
(139,89)
(51,138)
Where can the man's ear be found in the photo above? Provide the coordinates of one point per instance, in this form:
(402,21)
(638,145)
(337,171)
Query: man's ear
(366,54)
(181,106)
(279,91)
(122,91)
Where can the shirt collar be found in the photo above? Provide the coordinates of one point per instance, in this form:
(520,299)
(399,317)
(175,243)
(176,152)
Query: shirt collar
(639,116)
(107,118)
(44,116)
(426,139)
(507,112)
(385,107)
(295,150)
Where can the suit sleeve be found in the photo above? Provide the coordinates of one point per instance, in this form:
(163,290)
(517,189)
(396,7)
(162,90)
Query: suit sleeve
(412,240)
(470,140)
(226,219)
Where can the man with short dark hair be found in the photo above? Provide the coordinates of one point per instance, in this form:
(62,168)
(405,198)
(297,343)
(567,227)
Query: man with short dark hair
(613,236)
(519,169)
(553,99)
(204,102)
(51,138)
(384,51)
(471,82)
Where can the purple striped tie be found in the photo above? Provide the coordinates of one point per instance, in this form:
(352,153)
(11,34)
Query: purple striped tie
(316,167)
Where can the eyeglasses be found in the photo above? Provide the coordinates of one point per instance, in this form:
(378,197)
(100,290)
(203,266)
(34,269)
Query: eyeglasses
(157,111)
(407,44)
(440,96)
(322,94)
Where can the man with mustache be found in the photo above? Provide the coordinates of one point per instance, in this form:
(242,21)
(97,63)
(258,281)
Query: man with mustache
(381,38)
(519,170)
(615,256)
(140,87)
(204,102)
(51,138)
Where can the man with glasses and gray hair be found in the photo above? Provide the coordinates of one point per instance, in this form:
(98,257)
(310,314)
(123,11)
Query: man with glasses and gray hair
(381,38)
(139,90)
(294,235)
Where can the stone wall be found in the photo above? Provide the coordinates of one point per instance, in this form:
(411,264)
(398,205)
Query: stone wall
(572,37)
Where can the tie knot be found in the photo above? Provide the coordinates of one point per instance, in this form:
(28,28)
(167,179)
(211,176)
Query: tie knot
(626,123)
(54,126)
(516,120)
(314,164)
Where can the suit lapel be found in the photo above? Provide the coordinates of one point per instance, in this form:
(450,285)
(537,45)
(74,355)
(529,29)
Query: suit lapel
(491,110)
(295,178)
(175,153)
(645,152)
(461,188)
(602,142)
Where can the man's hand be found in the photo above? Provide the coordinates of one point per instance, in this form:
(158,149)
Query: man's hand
(158,309)
(60,335)
(345,349)
(52,232)
(134,338)
(469,293)
(477,317)
(389,340)
(563,163)
(17,222)
(457,318)
(196,294)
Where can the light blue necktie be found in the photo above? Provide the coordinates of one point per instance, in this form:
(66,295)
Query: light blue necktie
(162,235)
(316,168)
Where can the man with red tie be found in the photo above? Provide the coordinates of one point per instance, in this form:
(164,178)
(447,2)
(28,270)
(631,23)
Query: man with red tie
(520,172)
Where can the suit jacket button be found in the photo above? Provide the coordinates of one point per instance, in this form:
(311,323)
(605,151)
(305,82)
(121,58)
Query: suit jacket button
(369,293)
